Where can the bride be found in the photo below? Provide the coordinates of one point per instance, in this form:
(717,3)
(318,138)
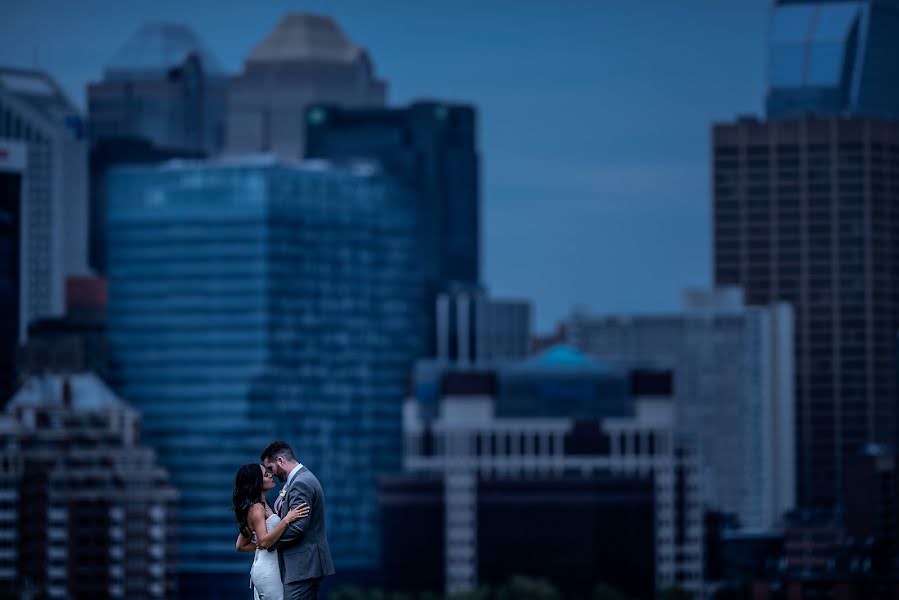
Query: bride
(260,527)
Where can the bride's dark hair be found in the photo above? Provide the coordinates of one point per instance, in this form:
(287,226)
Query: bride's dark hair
(247,492)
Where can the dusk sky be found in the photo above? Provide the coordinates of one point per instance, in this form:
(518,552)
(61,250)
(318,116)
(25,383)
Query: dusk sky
(594,116)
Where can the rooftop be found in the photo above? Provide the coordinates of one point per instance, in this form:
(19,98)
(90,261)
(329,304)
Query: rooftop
(40,92)
(562,358)
(304,37)
(156,48)
(358,168)
(84,392)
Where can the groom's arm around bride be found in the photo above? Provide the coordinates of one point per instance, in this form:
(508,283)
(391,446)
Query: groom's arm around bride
(298,492)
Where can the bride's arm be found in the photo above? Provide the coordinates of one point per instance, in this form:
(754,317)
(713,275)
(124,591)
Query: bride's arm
(245,545)
(256,520)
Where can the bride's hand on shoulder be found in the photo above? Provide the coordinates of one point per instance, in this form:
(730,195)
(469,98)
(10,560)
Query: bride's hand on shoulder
(298,512)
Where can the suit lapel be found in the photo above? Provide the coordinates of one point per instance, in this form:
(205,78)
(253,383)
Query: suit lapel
(283,501)
(285,506)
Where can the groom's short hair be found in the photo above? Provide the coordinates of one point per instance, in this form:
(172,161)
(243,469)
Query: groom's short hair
(276,449)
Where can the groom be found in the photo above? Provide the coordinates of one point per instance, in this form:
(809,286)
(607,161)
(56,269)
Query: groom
(303,552)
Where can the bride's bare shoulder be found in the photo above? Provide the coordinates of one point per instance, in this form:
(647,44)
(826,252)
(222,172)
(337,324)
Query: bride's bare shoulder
(256,511)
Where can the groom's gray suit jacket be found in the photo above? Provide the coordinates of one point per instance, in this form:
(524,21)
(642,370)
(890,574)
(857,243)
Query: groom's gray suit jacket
(303,551)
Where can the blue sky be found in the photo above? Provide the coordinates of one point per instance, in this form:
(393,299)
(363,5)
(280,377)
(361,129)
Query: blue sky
(594,116)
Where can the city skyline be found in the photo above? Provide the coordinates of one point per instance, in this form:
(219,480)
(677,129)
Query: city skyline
(606,161)
(441,249)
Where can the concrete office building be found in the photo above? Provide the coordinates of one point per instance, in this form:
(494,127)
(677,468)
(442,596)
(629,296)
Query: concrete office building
(472,442)
(473,328)
(733,391)
(86,510)
(34,112)
(306,59)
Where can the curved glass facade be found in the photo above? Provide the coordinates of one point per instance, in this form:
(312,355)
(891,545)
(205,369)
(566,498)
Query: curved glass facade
(833,58)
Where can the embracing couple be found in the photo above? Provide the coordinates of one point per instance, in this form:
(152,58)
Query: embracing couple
(292,554)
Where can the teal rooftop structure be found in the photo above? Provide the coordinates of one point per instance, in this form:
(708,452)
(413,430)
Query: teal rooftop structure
(563,382)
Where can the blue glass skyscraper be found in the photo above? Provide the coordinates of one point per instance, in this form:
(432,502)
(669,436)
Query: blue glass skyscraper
(832,58)
(251,301)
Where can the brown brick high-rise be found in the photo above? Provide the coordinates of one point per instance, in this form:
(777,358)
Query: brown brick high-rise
(807,211)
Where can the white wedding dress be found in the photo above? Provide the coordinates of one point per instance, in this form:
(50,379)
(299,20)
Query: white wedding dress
(265,575)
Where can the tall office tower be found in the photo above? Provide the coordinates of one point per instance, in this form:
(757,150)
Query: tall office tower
(164,86)
(162,96)
(88,512)
(833,58)
(53,245)
(433,148)
(733,392)
(306,59)
(253,300)
(474,328)
(12,170)
(805,211)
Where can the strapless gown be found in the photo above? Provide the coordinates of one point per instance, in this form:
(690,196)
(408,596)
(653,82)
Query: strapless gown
(265,575)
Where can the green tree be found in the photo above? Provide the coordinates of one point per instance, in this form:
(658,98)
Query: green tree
(349,592)
(479,593)
(733,591)
(603,591)
(674,592)
(526,588)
